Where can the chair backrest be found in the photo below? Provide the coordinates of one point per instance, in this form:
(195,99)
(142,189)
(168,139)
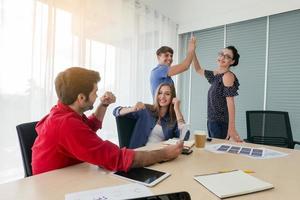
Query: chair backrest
(27,135)
(269,128)
(125,128)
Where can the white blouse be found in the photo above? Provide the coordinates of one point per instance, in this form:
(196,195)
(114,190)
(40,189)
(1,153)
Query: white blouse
(156,135)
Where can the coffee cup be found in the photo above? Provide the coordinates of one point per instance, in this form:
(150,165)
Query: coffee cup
(200,138)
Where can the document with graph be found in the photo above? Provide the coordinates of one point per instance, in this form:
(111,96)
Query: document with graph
(252,152)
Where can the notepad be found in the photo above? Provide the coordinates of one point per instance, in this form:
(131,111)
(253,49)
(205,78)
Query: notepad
(232,183)
(188,143)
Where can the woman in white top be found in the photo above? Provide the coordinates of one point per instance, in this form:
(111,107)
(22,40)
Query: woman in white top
(158,122)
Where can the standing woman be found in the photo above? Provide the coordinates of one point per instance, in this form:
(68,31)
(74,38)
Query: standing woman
(220,98)
(155,123)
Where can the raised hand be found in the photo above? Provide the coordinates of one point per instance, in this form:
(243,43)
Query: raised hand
(108,98)
(192,44)
(176,102)
(138,106)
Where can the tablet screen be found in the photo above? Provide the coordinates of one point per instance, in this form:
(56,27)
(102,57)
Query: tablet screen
(144,175)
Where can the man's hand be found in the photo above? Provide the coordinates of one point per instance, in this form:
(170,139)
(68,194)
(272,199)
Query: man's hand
(172,151)
(192,45)
(145,158)
(107,99)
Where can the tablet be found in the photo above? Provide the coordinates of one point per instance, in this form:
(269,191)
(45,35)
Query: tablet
(145,176)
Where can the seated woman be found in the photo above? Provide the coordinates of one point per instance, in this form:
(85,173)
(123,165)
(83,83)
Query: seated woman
(155,123)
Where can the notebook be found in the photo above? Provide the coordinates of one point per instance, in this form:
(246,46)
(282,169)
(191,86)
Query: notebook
(232,183)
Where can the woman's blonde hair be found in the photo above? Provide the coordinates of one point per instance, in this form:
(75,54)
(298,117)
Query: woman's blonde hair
(155,107)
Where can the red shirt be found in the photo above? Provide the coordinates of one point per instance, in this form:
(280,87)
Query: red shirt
(66,138)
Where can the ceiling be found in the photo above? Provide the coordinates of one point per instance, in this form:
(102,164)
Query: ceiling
(198,14)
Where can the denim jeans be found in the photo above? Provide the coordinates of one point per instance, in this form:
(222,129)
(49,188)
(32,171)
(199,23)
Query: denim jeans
(217,129)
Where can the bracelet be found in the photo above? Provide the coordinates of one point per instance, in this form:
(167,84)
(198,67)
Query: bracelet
(180,120)
(104,105)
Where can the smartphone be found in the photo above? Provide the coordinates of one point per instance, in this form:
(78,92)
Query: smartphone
(169,196)
(187,151)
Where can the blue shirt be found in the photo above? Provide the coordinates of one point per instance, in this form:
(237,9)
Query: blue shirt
(144,125)
(216,98)
(158,76)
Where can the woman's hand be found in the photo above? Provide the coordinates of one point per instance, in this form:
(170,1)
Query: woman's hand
(138,106)
(176,103)
(233,134)
(192,45)
(179,117)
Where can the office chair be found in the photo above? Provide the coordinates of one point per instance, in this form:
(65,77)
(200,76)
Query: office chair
(125,128)
(270,128)
(26,134)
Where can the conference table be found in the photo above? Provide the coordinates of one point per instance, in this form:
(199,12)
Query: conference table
(283,173)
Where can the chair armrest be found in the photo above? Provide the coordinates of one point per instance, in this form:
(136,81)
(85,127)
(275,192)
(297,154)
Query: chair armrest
(296,142)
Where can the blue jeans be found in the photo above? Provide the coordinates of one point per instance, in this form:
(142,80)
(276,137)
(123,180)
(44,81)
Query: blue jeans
(217,129)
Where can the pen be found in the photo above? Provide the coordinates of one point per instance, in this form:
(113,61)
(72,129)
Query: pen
(249,171)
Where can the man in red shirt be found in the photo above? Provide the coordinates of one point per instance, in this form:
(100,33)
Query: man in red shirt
(67,137)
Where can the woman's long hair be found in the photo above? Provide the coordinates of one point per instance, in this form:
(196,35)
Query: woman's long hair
(155,107)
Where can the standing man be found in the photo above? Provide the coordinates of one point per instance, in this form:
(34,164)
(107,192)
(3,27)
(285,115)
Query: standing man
(163,72)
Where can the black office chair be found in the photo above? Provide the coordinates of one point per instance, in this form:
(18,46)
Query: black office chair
(270,128)
(125,128)
(26,135)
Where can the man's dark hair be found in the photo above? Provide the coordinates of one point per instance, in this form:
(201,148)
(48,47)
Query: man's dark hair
(164,49)
(74,81)
(236,55)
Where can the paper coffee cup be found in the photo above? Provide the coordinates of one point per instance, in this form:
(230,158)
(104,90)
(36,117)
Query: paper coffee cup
(200,138)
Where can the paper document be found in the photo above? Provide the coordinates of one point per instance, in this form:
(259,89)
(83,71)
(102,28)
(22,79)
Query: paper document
(188,143)
(127,191)
(232,183)
(256,153)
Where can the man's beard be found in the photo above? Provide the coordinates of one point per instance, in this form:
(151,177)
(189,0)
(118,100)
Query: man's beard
(90,107)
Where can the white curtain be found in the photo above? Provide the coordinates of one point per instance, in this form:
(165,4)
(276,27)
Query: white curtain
(38,39)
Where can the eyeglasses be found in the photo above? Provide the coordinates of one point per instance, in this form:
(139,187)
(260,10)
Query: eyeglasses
(227,57)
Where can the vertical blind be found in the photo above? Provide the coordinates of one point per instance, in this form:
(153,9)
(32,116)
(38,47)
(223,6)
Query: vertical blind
(283,92)
(209,42)
(184,80)
(250,38)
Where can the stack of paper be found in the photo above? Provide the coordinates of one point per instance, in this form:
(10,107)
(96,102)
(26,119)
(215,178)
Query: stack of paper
(127,191)
(232,183)
(188,143)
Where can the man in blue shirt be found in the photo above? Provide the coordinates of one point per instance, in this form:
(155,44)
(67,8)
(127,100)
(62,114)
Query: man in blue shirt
(163,72)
